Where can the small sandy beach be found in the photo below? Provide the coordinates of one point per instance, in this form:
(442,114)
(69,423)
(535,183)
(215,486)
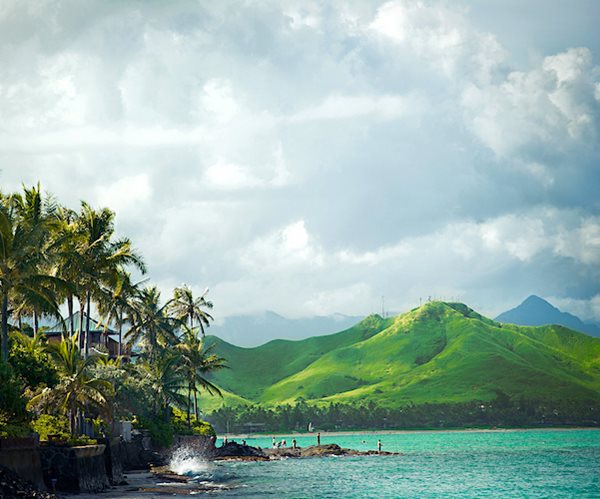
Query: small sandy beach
(158,483)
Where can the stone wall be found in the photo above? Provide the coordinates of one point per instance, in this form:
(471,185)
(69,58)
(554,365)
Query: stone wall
(22,455)
(138,454)
(112,459)
(77,469)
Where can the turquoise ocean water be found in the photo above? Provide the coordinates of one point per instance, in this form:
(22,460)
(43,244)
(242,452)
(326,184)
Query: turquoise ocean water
(530,463)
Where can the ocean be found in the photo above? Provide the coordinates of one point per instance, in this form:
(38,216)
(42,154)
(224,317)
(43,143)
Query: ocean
(500,463)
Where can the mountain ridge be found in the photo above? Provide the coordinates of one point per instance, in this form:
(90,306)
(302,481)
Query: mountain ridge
(439,352)
(252,330)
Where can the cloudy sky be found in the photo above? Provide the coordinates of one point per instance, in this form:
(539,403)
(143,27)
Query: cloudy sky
(312,157)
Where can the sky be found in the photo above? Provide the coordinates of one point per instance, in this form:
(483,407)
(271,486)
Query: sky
(312,157)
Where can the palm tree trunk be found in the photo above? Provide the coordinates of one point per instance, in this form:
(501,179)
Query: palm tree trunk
(36,323)
(72,422)
(87,326)
(81,314)
(196,403)
(5,326)
(189,405)
(71,318)
(120,351)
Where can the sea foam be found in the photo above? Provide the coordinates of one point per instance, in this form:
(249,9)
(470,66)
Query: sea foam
(186,461)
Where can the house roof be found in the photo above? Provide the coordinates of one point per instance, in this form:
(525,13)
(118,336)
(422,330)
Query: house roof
(95,326)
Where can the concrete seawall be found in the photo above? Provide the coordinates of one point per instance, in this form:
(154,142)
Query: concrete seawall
(75,469)
(22,455)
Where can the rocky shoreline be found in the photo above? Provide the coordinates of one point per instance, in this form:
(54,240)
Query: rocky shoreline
(160,480)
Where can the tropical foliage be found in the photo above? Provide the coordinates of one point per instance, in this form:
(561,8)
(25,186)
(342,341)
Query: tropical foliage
(53,257)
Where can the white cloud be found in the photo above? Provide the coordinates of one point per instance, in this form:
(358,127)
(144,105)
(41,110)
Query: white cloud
(588,310)
(548,107)
(289,247)
(340,107)
(218,98)
(358,296)
(308,158)
(508,237)
(439,35)
(306,16)
(381,255)
(229,176)
(581,243)
(130,193)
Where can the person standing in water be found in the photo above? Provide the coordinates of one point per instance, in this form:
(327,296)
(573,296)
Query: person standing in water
(379,446)
(319,438)
(294,445)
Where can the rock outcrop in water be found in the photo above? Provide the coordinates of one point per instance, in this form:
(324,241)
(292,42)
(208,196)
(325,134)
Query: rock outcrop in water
(235,451)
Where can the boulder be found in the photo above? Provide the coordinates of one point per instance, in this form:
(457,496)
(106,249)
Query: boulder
(13,485)
(233,449)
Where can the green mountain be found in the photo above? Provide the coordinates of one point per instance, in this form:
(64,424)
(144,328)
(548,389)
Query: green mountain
(437,353)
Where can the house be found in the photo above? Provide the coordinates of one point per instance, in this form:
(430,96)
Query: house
(102,340)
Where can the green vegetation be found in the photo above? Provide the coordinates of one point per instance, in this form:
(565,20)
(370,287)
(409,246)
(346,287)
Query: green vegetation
(52,256)
(441,364)
(441,355)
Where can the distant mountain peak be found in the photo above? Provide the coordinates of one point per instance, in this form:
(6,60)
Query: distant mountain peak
(535,300)
(536,311)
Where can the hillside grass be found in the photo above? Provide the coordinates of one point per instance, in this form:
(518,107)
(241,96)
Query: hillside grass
(437,353)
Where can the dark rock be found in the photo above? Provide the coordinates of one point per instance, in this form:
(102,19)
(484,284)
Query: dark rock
(139,455)
(323,450)
(12,486)
(233,449)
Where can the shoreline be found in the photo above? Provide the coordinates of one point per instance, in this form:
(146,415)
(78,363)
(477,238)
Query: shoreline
(342,433)
(155,483)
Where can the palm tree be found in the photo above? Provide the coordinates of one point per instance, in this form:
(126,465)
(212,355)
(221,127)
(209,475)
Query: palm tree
(114,302)
(65,243)
(197,362)
(150,322)
(165,377)
(185,306)
(77,388)
(100,257)
(23,261)
(37,215)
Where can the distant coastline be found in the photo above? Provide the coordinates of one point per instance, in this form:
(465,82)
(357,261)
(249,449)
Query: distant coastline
(233,436)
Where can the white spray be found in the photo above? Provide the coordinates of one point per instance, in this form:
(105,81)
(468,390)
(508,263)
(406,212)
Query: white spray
(186,461)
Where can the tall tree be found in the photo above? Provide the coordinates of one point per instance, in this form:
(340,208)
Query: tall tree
(151,325)
(185,306)
(116,302)
(197,363)
(23,261)
(37,214)
(165,377)
(65,242)
(101,258)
